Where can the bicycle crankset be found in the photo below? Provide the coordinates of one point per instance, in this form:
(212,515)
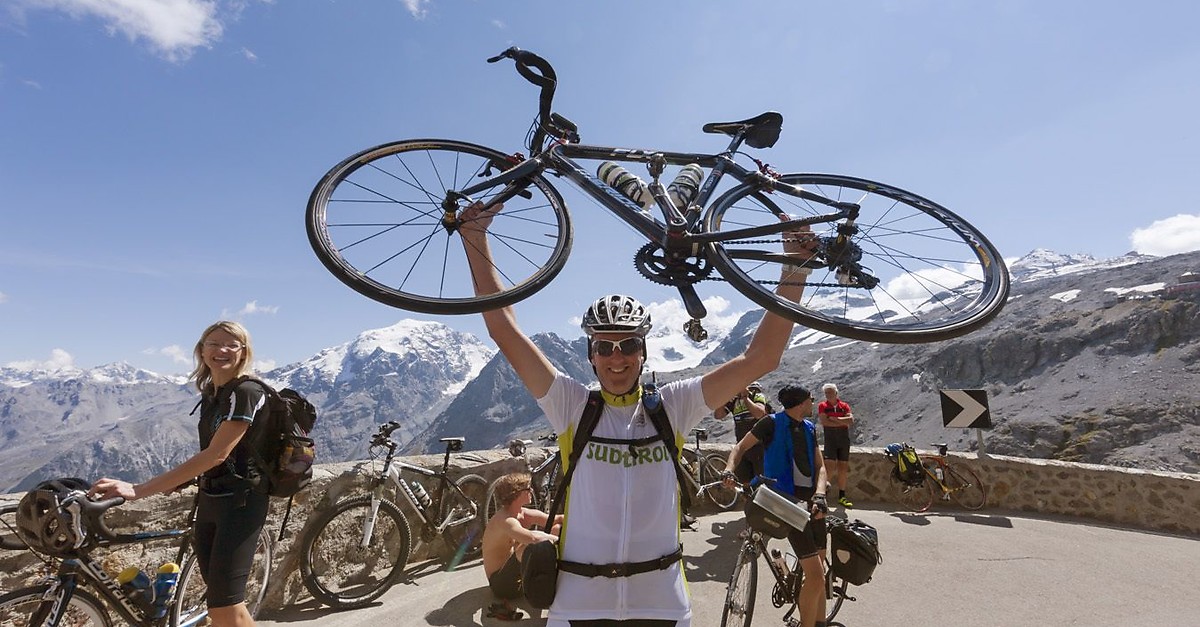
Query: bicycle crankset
(654,264)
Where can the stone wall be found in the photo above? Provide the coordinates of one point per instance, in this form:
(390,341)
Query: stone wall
(1153,501)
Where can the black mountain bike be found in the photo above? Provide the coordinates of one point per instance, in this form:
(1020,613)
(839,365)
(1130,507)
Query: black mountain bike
(543,477)
(891,266)
(81,592)
(355,550)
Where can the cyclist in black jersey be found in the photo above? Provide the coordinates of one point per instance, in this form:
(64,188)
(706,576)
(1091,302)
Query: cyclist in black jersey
(230,514)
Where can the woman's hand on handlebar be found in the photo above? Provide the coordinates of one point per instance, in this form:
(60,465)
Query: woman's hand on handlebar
(107,488)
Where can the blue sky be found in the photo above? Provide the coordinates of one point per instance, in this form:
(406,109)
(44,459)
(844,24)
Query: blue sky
(156,155)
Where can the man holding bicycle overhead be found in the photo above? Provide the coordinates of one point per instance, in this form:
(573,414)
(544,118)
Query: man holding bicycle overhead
(791,458)
(620,550)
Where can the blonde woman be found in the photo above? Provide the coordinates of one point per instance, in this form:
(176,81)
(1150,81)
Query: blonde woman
(230,515)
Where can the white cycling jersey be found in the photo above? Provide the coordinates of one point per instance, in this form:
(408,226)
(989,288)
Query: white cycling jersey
(622,506)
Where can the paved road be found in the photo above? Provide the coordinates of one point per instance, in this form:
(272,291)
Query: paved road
(941,568)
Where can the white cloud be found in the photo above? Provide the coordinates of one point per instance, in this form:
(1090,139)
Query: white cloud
(263,365)
(249,55)
(173,29)
(253,307)
(175,352)
(416,7)
(59,359)
(3,297)
(1170,236)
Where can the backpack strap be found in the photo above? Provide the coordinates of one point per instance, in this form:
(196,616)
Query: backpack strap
(587,424)
(658,417)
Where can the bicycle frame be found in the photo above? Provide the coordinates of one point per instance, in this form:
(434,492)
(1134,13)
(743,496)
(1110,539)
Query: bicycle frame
(681,234)
(392,473)
(88,569)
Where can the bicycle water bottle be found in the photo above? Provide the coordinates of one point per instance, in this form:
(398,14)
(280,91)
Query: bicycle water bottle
(777,557)
(422,495)
(937,472)
(627,183)
(164,588)
(683,189)
(137,586)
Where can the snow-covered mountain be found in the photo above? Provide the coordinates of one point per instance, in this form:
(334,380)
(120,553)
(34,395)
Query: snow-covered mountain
(121,421)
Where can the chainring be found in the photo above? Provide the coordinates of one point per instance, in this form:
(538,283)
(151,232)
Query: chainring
(653,263)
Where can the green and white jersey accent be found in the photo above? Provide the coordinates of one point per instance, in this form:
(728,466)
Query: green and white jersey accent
(622,506)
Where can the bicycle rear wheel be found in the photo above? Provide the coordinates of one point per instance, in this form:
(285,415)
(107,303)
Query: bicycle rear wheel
(710,471)
(465,539)
(739,596)
(939,277)
(965,487)
(20,608)
(375,221)
(335,566)
(190,608)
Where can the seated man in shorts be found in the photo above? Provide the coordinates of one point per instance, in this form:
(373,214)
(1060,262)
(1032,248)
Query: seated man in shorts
(507,534)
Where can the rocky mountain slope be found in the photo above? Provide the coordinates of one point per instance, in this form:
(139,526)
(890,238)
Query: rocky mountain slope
(1085,363)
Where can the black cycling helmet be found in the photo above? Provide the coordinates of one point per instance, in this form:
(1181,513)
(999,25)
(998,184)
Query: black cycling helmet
(792,395)
(616,313)
(49,520)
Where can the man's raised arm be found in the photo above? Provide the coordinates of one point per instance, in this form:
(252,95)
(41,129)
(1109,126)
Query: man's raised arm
(530,364)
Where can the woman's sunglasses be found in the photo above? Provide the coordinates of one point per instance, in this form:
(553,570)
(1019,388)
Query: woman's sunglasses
(628,346)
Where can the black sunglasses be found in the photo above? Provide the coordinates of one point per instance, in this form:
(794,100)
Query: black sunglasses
(627,346)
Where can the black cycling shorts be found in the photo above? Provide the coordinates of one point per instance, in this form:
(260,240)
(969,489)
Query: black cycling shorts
(225,538)
(837,444)
(810,541)
(506,582)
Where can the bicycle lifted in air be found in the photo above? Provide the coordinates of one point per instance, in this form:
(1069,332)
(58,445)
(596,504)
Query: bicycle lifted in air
(890,266)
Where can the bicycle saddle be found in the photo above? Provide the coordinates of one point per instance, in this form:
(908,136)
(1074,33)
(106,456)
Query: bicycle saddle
(762,131)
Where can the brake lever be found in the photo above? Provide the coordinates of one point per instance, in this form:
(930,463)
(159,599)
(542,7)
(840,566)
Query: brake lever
(511,53)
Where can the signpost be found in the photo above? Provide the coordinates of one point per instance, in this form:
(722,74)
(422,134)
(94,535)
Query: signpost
(966,409)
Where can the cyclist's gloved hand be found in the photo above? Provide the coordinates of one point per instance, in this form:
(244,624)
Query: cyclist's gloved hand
(819,505)
(728,478)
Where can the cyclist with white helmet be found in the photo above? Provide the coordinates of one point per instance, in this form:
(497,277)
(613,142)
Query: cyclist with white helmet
(620,544)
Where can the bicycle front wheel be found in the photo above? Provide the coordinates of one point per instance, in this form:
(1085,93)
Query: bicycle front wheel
(342,568)
(24,608)
(711,471)
(375,221)
(965,487)
(938,276)
(190,608)
(914,498)
(739,596)
(464,536)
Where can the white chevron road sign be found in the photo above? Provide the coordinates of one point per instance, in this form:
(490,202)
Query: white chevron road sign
(965,409)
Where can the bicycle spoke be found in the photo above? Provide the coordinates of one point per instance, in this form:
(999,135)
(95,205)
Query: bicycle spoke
(377,223)
(908,270)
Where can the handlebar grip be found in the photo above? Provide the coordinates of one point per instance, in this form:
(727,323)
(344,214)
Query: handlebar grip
(94,512)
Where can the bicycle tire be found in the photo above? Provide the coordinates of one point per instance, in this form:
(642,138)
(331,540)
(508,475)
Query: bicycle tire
(385,238)
(710,471)
(546,483)
(739,595)
(340,573)
(835,594)
(492,501)
(189,607)
(465,541)
(940,277)
(17,608)
(965,487)
(916,498)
